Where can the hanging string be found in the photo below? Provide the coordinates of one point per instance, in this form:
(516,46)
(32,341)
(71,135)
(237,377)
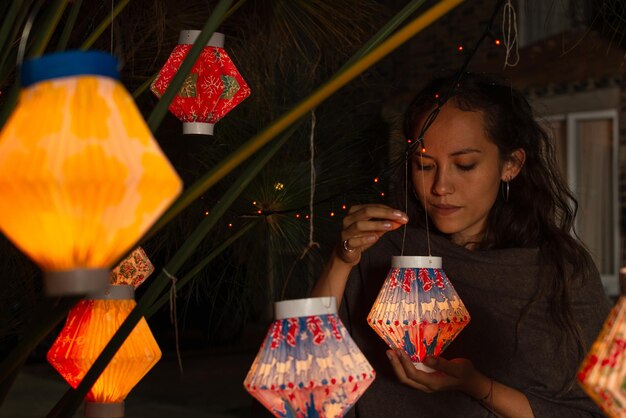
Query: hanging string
(21,49)
(406,197)
(173,317)
(313,176)
(424,194)
(509,33)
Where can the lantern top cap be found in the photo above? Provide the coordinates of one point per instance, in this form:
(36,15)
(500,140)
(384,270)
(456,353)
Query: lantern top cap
(427,262)
(305,307)
(188,37)
(69,63)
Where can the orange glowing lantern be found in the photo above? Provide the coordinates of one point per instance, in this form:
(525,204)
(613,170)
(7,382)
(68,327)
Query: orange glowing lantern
(308,365)
(81,183)
(89,327)
(212,88)
(417,310)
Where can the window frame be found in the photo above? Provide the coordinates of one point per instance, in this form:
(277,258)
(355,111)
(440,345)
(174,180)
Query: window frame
(572,142)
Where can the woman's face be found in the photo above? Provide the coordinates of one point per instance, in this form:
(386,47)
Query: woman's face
(457,178)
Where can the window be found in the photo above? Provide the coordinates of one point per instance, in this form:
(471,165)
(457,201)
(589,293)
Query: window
(540,19)
(586,145)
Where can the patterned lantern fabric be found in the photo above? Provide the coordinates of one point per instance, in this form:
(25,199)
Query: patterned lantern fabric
(212,88)
(81,177)
(89,327)
(602,373)
(133,270)
(417,309)
(308,365)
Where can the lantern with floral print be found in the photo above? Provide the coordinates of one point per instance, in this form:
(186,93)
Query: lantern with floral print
(417,309)
(133,270)
(308,365)
(602,373)
(84,180)
(212,88)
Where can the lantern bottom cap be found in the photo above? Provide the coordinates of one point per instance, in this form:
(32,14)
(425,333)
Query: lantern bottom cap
(197,128)
(76,282)
(104,410)
(423,367)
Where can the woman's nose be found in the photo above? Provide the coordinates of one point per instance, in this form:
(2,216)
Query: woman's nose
(442,184)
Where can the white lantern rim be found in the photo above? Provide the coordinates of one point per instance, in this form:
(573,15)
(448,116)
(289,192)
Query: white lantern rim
(114,292)
(104,410)
(423,367)
(75,282)
(326,305)
(424,262)
(197,128)
(188,37)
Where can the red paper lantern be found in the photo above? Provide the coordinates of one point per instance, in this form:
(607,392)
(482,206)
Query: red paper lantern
(212,88)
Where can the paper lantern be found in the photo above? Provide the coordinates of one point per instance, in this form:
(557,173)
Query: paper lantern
(81,177)
(308,365)
(89,327)
(133,270)
(212,88)
(602,374)
(417,309)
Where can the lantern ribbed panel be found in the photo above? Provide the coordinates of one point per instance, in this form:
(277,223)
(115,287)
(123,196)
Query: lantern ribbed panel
(89,327)
(308,367)
(602,374)
(418,311)
(81,177)
(213,87)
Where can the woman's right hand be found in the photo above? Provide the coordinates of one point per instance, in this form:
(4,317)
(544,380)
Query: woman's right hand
(363,226)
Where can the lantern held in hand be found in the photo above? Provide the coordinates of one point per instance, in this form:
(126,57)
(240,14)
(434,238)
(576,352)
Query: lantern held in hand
(417,310)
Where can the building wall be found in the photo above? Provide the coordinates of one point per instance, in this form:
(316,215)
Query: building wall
(560,75)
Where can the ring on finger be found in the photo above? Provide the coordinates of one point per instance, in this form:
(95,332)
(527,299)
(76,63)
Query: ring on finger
(347,247)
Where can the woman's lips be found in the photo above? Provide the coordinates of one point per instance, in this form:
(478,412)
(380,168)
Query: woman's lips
(444,209)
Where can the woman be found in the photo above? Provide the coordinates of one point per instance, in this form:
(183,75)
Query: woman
(486,181)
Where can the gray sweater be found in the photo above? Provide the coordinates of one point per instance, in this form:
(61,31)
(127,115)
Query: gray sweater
(495,286)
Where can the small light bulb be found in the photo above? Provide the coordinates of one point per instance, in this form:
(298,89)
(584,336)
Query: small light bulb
(375,179)
(332,213)
(230,225)
(460,47)
(343,207)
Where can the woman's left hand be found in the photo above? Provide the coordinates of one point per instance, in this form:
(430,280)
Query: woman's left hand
(456,374)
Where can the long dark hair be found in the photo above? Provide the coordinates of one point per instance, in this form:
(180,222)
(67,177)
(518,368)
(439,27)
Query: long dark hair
(540,210)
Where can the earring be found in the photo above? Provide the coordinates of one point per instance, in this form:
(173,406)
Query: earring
(505,189)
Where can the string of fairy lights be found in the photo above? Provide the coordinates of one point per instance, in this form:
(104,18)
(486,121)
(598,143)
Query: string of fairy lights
(258,208)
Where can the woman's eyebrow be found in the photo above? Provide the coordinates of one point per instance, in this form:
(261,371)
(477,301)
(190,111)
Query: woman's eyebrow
(465,151)
(454,154)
